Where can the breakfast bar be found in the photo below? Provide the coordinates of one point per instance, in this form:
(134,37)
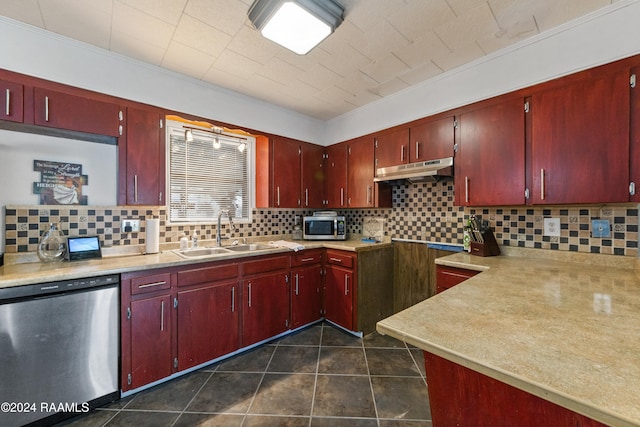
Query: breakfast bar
(564,328)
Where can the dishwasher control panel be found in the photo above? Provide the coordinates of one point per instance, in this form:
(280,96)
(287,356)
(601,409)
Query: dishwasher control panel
(57,287)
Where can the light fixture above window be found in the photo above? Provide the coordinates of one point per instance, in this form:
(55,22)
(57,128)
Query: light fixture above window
(298,25)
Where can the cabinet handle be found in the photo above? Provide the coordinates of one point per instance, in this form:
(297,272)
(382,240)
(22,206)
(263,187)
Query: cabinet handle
(249,294)
(233,299)
(417,150)
(402,153)
(306,259)
(466,189)
(341,196)
(346,284)
(369,197)
(46,108)
(297,282)
(8,109)
(306,197)
(149,285)
(335,259)
(162,316)
(135,188)
(278,196)
(541,184)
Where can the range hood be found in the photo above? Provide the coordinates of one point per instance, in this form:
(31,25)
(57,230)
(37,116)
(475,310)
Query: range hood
(429,170)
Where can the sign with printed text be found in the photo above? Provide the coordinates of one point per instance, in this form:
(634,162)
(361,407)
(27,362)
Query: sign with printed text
(60,183)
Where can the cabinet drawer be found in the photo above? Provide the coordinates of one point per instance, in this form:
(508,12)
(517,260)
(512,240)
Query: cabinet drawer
(344,259)
(208,274)
(306,257)
(448,277)
(265,264)
(141,285)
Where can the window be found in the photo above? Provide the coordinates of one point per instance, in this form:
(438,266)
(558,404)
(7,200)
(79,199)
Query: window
(207,172)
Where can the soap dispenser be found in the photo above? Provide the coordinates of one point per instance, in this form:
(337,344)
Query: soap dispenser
(194,240)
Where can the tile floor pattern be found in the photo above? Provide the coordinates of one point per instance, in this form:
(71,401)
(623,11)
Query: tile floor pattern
(319,376)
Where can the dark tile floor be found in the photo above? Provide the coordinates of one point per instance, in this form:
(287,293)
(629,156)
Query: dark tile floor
(319,376)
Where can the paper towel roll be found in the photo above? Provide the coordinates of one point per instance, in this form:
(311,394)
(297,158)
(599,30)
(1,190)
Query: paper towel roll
(153,236)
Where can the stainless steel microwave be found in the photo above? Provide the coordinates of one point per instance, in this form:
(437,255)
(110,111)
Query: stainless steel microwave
(325,225)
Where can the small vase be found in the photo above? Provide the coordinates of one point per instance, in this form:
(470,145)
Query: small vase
(52,246)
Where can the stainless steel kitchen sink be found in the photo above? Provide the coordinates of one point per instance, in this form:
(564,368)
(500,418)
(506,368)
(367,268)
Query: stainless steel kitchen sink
(248,248)
(201,252)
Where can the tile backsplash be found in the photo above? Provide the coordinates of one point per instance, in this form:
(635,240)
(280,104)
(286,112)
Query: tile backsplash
(421,211)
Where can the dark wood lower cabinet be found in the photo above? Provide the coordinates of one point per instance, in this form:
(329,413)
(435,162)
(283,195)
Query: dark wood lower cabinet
(338,292)
(150,340)
(306,295)
(448,277)
(266,307)
(462,397)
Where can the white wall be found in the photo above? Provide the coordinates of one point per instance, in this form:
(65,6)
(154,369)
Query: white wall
(18,151)
(598,38)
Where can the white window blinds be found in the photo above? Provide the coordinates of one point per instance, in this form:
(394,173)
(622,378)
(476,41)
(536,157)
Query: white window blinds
(207,173)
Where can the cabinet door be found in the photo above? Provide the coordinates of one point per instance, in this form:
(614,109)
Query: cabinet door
(392,148)
(431,140)
(360,173)
(634,133)
(145,157)
(580,141)
(489,164)
(208,323)
(306,297)
(64,111)
(150,340)
(265,308)
(448,277)
(313,176)
(11,101)
(338,296)
(286,173)
(336,189)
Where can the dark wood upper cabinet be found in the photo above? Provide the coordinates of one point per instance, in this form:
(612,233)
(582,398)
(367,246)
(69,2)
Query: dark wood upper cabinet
(11,101)
(286,173)
(634,134)
(490,161)
(313,175)
(432,139)
(580,140)
(72,112)
(336,182)
(142,158)
(360,173)
(392,148)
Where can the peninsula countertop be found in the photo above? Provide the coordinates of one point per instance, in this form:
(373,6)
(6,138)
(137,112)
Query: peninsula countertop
(19,274)
(564,327)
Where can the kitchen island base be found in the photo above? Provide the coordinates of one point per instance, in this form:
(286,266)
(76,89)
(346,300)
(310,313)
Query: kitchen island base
(459,396)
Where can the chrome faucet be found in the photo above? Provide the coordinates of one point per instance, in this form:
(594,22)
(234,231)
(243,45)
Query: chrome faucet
(219,231)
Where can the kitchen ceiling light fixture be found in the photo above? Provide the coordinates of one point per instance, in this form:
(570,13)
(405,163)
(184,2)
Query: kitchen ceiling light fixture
(298,25)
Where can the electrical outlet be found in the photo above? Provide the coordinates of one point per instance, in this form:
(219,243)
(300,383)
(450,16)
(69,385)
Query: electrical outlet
(130,226)
(600,228)
(552,226)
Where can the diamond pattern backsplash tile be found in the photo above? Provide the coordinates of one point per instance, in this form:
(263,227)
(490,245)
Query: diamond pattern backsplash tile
(421,211)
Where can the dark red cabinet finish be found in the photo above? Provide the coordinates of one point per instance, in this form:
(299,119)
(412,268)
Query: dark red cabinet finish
(11,101)
(265,307)
(306,287)
(340,288)
(142,181)
(313,176)
(392,148)
(360,172)
(431,139)
(286,173)
(448,277)
(490,161)
(65,111)
(634,140)
(580,141)
(336,182)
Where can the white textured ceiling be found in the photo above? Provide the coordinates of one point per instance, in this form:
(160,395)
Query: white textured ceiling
(383,46)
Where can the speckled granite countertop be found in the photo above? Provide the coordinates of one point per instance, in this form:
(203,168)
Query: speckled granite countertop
(564,327)
(37,272)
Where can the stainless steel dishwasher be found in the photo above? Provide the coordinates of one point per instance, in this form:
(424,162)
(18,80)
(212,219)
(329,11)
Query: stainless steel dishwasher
(58,349)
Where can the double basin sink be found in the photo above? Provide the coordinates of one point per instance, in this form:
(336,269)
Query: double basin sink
(226,250)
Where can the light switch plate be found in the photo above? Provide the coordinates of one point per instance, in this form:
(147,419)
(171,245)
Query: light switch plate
(600,228)
(552,226)
(130,226)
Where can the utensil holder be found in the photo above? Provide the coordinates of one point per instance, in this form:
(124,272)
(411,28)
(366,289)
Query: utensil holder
(487,248)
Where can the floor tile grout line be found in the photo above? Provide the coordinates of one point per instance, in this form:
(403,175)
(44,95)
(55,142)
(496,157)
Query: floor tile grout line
(264,373)
(373,396)
(424,377)
(193,397)
(315,380)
